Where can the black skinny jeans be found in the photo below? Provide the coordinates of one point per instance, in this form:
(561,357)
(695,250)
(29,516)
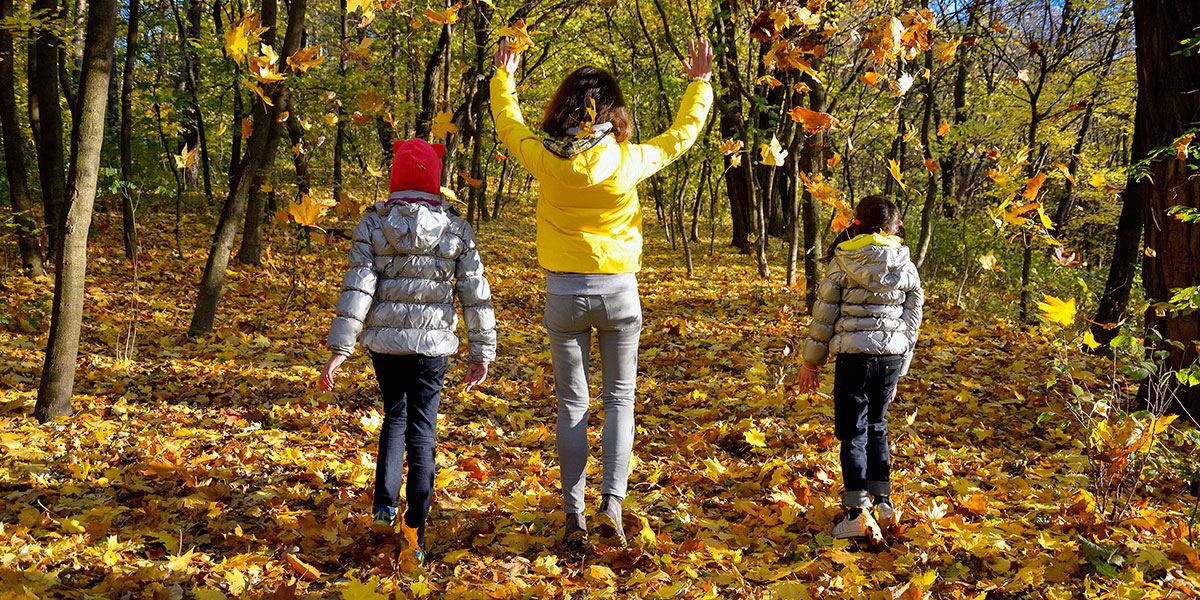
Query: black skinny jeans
(412,389)
(863,386)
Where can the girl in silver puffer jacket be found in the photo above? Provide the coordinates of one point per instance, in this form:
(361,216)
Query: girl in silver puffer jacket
(868,314)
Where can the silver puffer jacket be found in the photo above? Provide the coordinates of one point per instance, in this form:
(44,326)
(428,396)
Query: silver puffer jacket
(408,261)
(870,302)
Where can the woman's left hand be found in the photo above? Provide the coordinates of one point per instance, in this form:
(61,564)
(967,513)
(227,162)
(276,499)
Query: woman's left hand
(700,62)
(505,58)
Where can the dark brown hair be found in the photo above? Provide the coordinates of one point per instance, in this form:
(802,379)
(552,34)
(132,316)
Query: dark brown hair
(874,214)
(568,106)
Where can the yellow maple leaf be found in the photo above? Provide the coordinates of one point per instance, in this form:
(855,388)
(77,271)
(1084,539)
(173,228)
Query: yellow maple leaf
(988,262)
(1033,185)
(307,212)
(443,125)
(773,153)
(306,58)
(443,17)
(1058,311)
(946,50)
(518,37)
(186,158)
(249,83)
(756,438)
(1089,340)
(894,169)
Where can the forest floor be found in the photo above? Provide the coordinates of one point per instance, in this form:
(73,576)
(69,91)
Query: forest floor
(212,469)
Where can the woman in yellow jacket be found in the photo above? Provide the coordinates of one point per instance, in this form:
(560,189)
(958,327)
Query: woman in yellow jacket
(589,241)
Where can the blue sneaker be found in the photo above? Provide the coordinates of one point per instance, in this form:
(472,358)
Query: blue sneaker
(385,517)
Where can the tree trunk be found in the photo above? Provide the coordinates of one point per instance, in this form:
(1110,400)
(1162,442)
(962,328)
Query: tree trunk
(339,141)
(428,85)
(194,135)
(235,204)
(62,349)
(927,210)
(299,151)
(732,127)
(45,116)
(14,156)
(1162,117)
(129,226)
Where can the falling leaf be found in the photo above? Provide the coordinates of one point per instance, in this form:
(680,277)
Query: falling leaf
(1089,340)
(369,102)
(1181,146)
(1150,252)
(835,160)
(841,221)
(443,125)
(943,129)
(247,127)
(813,121)
(306,58)
(1067,260)
(769,81)
(932,165)
(1097,180)
(259,91)
(471,181)
(773,153)
(307,212)
(186,158)
(988,262)
(871,78)
(443,17)
(1066,172)
(731,147)
(1058,311)
(894,169)
(1033,185)
(518,37)
(901,86)
(945,51)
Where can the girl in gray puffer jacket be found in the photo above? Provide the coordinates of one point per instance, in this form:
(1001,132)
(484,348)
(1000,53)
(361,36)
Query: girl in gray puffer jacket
(867,313)
(411,257)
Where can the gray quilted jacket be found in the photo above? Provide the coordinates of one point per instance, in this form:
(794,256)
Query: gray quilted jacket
(869,302)
(407,263)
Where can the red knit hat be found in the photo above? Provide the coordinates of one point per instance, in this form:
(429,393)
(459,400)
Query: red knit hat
(416,165)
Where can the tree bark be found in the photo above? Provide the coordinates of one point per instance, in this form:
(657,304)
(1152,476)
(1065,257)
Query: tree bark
(62,349)
(129,225)
(14,156)
(194,135)
(928,213)
(235,204)
(45,116)
(1162,117)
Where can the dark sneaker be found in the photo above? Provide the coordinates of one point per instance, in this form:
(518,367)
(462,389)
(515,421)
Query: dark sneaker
(385,517)
(575,530)
(609,518)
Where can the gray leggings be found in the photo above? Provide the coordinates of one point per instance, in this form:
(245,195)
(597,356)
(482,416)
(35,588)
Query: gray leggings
(569,321)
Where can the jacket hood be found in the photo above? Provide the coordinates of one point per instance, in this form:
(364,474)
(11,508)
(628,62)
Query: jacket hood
(587,166)
(873,261)
(412,222)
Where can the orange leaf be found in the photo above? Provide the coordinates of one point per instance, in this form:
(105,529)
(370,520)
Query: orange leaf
(1181,146)
(871,78)
(443,17)
(306,571)
(1033,185)
(471,181)
(932,165)
(813,121)
(247,126)
(943,129)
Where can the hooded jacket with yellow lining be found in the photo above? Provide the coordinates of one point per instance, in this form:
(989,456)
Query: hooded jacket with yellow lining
(588,216)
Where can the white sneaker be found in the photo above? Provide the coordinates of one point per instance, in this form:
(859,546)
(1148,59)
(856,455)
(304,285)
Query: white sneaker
(862,526)
(886,513)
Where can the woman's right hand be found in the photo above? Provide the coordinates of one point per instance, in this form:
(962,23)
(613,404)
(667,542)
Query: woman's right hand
(505,58)
(699,65)
(325,383)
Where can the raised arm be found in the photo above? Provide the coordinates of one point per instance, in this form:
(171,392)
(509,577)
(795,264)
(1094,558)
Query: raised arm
(522,143)
(358,290)
(689,121)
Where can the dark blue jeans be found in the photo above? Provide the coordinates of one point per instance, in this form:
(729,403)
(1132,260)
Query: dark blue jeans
(412,389)
(863,386)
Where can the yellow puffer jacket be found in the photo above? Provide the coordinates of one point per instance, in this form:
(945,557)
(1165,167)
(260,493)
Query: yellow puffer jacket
(588,217)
